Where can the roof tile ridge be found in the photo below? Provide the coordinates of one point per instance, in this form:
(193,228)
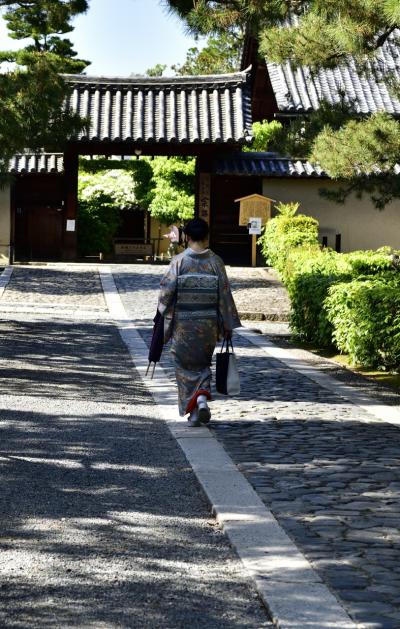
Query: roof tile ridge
(241,76)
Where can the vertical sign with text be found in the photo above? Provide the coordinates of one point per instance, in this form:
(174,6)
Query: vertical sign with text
(204,196)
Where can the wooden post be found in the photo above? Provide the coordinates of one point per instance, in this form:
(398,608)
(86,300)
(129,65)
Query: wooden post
(71,169)
(254,250)
(203,189)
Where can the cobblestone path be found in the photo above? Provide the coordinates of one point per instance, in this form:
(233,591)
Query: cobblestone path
(70,290)
(328,471)
(256,291)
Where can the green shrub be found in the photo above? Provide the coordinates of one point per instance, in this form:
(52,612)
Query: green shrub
(285,232)
(97,223)
(310,273)
(365,314)
(290,244)
(369,262)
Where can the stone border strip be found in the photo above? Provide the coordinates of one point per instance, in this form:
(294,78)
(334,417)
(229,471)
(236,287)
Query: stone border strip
(292,358)
(287,584)
(5,278)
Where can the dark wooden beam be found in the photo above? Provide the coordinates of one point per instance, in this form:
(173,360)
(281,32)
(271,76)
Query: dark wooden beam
(150,149)
(71,168)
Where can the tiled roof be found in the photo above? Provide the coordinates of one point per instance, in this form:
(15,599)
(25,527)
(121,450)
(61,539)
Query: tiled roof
(37,163)
(265,165)
(188,110)
(298,90)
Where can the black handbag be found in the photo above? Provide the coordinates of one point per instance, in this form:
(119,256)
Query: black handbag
(226,372)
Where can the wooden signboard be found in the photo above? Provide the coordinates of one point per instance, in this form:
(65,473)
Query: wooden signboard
(254,206)
(133,249)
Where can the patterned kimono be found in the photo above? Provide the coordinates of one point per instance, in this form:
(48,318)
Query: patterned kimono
(197,304)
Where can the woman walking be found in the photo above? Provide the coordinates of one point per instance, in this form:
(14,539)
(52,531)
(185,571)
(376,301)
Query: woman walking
(198,308)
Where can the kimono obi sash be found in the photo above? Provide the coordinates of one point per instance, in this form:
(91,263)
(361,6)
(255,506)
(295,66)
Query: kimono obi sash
(197,296)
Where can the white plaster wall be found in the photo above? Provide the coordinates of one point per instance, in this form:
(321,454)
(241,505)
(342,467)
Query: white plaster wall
(5,224)
(361,225)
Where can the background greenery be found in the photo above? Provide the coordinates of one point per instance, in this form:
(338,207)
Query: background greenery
(347,300)
(361,150)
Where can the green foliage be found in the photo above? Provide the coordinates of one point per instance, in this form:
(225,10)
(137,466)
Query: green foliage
(170,205)
(168,193)
(327,33)
(365,314)
(220,55)
(101,196)
(363,153)
(290,244)
(32,112)
(309,32)
(265,135)
(97,223)
(322,34)
(359,145)
(298,136)
(312,272)
(164,187)
(369,262)
(157,70)
(116,185)
(44,21)
(143,181)
(285,232)
(218,16)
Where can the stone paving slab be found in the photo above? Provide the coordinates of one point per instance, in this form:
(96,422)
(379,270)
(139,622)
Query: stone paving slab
(102,522)
(259,294)
(328,470)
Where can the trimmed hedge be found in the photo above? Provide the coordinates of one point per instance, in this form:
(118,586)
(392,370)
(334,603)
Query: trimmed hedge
(365,314)
(322,284)
(285,232)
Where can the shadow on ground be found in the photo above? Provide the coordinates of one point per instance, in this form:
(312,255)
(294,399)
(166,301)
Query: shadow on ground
(102,522)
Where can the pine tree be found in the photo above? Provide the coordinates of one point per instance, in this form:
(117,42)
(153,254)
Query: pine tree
(220,55)
(361,150)
(32,113)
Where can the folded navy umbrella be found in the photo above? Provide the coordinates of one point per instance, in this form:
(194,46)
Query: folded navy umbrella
(157,342)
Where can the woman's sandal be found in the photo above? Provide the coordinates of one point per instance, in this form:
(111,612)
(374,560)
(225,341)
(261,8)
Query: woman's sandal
(203,412)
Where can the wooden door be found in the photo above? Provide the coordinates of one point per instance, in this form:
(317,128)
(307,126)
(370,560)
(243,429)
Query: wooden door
(38,232)
(227,238)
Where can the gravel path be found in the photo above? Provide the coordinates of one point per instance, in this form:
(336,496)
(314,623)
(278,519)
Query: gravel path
(102,521)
